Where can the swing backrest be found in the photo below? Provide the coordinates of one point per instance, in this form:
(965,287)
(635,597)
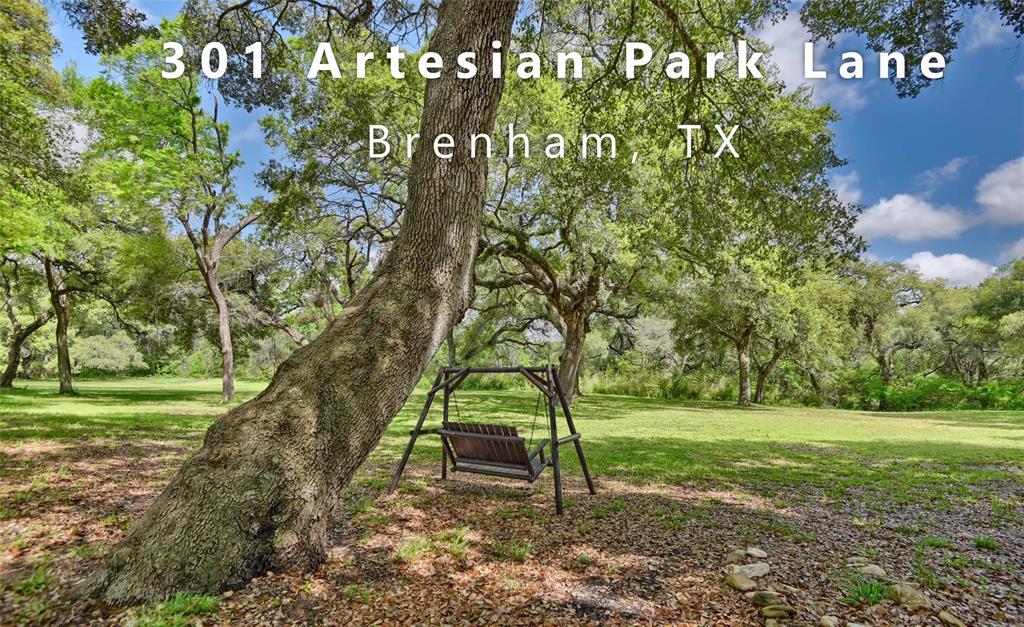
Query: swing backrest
(501,450)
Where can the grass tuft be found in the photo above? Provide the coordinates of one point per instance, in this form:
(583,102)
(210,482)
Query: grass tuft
(513,550)
(986,543)
(178,611)
(864,592)
(412,550)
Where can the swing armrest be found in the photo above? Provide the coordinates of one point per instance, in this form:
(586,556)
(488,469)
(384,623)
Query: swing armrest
(538,450)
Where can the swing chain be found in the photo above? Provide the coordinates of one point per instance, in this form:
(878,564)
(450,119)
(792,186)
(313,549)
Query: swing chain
(536,412)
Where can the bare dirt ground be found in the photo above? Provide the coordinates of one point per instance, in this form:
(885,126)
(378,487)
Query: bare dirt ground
(476,551)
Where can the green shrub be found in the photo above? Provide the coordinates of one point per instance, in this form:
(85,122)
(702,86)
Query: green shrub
(495,382)
(863,389)
(203,361)
(104,355)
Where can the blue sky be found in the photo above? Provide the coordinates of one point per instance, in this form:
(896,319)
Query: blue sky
(941,176)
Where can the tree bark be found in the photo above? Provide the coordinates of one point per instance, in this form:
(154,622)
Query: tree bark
(763,373)
(26,365)
(450,345)
(62,312)
(743,357)
(227,350)
(574,336)
(19,335)
(262,490)
(887,373)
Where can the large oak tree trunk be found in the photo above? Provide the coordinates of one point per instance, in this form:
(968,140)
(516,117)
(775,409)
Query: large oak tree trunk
(574,336)
(19,335)
(62,312)
(262,490)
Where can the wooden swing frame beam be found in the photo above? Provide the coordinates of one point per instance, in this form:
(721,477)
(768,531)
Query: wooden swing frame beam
(545,379)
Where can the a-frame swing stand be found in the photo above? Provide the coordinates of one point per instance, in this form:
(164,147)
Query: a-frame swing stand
(499,450)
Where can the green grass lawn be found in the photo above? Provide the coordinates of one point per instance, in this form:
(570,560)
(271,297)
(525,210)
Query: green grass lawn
(937,497)
(932,455)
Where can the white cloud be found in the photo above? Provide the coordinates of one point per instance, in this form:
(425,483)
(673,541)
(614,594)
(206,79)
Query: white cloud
(955,269)
(910,218)
(1001,193)
(932,179)
(847,187)
(984,29)
(251,133)
(1013,251)
(1020,81)
(787,39)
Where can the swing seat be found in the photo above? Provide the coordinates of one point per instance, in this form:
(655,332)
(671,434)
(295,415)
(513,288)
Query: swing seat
(495,450)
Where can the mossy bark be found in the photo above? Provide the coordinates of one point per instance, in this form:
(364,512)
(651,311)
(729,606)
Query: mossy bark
(262,490)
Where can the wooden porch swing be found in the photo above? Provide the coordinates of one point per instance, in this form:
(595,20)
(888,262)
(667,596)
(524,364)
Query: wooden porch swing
(498,450)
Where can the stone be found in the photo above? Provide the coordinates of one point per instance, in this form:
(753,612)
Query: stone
(853,624)
(948,618)
(856,561)
(910,597)
(828,621)
(756,553)
(872,570)
(762,598)
(227,594)
(771,622)
(734,556)
(777,611)
(740,582)
(755,570)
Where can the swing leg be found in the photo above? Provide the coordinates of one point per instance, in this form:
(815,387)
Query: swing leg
(572,430)
(553,426)
(559,506)
(583,465)
(444,462)
(415,434)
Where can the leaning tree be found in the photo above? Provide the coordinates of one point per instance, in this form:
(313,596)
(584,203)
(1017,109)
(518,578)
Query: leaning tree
(261,491)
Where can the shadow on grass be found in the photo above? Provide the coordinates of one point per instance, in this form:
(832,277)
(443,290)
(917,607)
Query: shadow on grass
(106,396)
(16,427)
